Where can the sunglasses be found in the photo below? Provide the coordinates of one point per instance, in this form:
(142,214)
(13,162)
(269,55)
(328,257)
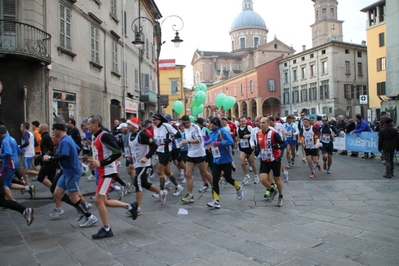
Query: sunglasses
(325,120)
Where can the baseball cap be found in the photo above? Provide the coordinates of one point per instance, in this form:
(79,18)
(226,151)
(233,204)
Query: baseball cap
(200,121)
(122,125)
(168,117)
(134,121)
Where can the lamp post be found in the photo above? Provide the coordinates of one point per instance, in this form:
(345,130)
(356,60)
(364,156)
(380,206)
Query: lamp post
(138,42)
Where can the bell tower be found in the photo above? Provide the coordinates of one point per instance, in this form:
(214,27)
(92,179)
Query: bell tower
(327,27)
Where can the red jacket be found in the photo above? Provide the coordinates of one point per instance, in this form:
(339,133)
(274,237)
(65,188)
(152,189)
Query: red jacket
(233,128)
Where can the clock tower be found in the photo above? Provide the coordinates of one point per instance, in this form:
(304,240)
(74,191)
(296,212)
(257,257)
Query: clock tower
(327,27)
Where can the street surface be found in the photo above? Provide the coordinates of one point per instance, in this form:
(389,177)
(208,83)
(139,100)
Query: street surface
(350,217)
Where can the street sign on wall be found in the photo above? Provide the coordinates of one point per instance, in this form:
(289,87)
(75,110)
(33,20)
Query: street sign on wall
(363,99)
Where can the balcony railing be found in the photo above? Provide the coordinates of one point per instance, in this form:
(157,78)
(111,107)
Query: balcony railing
(23,39)
(148,96)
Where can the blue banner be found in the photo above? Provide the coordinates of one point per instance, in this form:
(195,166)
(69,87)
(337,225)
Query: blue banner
(362,142)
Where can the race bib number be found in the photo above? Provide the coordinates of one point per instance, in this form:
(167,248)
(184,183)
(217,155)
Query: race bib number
(134,160)
(159,141)
(215,152)
(266,155)
(244,143)
(325,139)
(309,143)
(95,154)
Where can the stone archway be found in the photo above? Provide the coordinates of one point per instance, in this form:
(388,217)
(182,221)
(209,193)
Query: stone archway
(270,106)
(244,109)
(253,112)
(235,110)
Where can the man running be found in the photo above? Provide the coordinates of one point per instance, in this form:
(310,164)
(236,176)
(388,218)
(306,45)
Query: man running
(310,138)
(327,133)
(291,139)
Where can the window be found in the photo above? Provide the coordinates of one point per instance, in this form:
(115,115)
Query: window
(114,56)
(304,93)
(232,45)
(381,64)
(295,95)
(256,42)
(124,23)
(113,8)
(330,110)
(294,62)
(332,13)
(324,67)
(65,27)
(381,88)
(294,74)
(324,90)
(361,90)
(313,110)
(145,81)
(359,54)
(285,77)
(285,64)
(324,12)
(302,58)
(286,97)
(321,93)
(251,86)
(242,43)
(94,45)
(347,67)
(317,14)
(312,73)
(136,79)
(346,51)
(303,72)
(174,87)
(348,91)
(325,109)
(242,89)
(313,93)
(311,55)
(381,38)
(323,51)
(359,69)
(271,85)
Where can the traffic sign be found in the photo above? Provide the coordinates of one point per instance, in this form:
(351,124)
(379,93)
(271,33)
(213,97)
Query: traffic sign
(363,99)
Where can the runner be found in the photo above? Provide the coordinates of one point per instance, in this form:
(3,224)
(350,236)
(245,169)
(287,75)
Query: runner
(270,144)
(291,139)
(220,141)
(140,149)
(246,152)
(327,132)
(105,153)
(310,137)
(195,156)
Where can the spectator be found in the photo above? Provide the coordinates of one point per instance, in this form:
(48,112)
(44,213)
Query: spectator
(388,141)
(362,126)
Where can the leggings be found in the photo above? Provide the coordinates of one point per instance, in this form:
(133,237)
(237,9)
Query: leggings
(47,169)
(13,205)
(217,173)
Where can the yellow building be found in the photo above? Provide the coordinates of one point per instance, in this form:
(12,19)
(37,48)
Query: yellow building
(171,84)
(376,55)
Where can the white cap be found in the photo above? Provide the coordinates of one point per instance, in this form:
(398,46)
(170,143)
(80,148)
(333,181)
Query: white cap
(123,125)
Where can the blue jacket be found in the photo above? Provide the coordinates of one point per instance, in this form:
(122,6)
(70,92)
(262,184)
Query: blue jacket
(9,152)
(225,156)
(363,126)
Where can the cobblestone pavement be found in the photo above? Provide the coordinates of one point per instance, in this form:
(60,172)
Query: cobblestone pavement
(349,217)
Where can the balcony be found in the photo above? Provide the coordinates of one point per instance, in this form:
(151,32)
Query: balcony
(148,96)
(164,100)
(24,40)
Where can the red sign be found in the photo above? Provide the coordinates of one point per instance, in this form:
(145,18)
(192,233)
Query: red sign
(131,107)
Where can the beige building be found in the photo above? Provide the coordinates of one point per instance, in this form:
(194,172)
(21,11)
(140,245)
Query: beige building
(76,58)
(331,77)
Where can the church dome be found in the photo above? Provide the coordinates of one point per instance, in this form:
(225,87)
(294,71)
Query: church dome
(248,18)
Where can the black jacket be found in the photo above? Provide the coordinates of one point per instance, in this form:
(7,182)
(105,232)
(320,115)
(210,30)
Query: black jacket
(388,138)
(350,127)
(341,124)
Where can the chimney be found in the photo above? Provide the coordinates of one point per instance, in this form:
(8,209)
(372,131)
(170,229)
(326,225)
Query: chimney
(364,43)
(303,48)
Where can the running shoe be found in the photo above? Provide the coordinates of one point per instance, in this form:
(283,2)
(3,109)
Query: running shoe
(120,193)
(178,190)
(280,202)
(325,165)
(372,156)
(246,179)
(289,165)
(28,215)
(214,204)
(56,213)
(183,181)
(89,221)
(131,190)
(303,160)
(32,191)
(163,197)
(80,215)
(274,185)
(328,171)
(313,174)
(181,177)
(240,193)
(102,233)
(204,189)
(267,194)
(272,195)
(155,195)
(292,162)
(256,179)
(88,206)
(90,178)
(319,167)
(188,199)
(133,210)
(285,176)
(222,181)
(250,168)
(168,185)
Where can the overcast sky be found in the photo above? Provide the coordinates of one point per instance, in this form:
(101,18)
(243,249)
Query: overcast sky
(207,24)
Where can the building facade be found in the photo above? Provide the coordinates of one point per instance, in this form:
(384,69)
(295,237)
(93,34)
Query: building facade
(75,59)
(246,71)
(376,55)
(171,84)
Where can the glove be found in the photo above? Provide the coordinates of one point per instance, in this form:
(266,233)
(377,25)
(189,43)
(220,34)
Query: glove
(217,143)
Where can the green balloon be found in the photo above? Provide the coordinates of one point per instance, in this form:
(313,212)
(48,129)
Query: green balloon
(192,119)
(229,102)
(178,107)
(220,100)
(193,104)
(201,87)
(198,109)
(200,97)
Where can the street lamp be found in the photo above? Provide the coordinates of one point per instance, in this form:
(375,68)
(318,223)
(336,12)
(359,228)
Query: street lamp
(138,42)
